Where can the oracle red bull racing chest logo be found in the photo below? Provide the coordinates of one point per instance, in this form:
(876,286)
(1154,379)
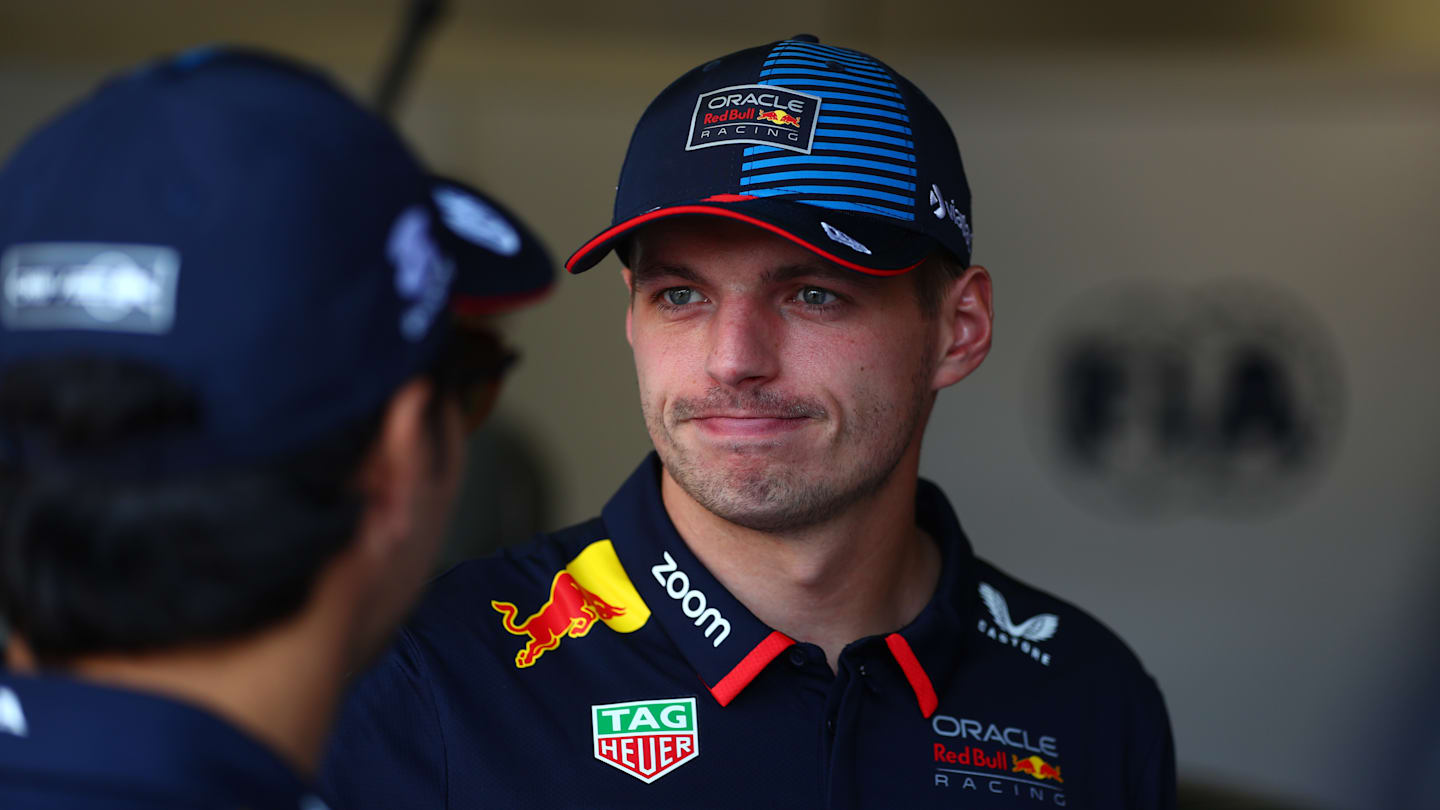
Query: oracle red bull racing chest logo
(646,738)
(754,113)
(986,758)
(592,587)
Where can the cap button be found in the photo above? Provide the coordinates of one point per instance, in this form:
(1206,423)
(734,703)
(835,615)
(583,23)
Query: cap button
(805,38)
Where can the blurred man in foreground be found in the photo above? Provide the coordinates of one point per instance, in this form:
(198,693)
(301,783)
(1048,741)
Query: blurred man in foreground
(232,404)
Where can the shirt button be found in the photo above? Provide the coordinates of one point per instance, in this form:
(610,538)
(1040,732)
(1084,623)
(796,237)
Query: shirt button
(797,656)
(862,670)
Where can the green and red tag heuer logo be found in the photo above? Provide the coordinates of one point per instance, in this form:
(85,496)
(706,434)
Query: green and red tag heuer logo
(646,738)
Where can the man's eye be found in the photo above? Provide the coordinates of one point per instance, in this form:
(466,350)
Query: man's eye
(680,296)
(817,297)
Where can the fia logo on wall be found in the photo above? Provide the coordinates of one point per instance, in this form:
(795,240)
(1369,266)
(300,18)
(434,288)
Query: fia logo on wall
(1222,398)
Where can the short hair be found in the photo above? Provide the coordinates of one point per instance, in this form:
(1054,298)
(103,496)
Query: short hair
(93,561)
(933,279)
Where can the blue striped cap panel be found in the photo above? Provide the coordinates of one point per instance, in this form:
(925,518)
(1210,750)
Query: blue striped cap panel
(863,155)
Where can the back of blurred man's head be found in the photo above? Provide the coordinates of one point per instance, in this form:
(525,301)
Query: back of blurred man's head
(225,361)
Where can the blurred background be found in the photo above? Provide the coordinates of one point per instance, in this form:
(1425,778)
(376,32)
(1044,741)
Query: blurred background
(1212,414)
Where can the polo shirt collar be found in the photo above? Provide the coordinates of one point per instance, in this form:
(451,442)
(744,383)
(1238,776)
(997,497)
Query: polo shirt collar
(103,741)
(724,642)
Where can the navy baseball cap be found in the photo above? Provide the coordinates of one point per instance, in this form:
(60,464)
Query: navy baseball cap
(240,223)
(824,146)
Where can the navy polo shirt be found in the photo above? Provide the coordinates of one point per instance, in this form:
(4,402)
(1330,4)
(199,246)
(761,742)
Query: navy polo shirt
(70,744)
(603,667)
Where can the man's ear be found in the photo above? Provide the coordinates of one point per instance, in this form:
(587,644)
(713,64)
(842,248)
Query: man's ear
(629,310)
(398,467)
(963,324)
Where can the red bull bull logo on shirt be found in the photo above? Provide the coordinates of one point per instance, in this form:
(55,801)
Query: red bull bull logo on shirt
(1036,767)
(592,587)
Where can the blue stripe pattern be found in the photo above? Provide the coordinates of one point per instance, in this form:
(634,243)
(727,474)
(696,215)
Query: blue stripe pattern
(828,161)
(864,136)
(848,84)
(862,158)
(825,74)
(852,191)
(840,147)
(868,111)
(861,122)
(820,63)
(814,175)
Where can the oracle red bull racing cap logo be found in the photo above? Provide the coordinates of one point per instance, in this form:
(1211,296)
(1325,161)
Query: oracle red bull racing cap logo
(592,587)
(646,738)
(754,113)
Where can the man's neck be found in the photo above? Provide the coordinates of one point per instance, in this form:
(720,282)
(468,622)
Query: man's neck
(280,686)
(868,571)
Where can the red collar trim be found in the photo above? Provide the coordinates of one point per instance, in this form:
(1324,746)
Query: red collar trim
(914,673)
(750,666)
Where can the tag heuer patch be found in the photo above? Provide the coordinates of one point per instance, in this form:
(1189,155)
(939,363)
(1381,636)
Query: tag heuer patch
(646,738)
(754,113)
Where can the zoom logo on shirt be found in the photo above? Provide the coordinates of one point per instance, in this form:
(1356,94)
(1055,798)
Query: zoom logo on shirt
(692,602)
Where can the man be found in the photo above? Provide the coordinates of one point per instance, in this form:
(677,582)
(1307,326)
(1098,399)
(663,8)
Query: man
(230,425)
(791,618)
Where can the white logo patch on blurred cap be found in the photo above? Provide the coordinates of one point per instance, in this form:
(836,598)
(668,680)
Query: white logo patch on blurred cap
(12,717)
(470,217)
(422,273)
(83,285)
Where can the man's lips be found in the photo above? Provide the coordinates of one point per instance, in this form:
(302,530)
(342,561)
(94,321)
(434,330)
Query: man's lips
(742,425)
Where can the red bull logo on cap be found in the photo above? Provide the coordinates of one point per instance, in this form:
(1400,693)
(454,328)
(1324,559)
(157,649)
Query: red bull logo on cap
(1036,767)
(592,587)
(780,117)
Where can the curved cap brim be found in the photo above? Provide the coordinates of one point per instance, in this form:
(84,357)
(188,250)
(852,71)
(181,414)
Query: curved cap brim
(501,264)
(864,244)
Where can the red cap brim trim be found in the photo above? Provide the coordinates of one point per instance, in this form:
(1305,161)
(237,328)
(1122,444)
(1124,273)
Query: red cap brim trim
(750,666)
(462,304)
(914,673)
(659,213)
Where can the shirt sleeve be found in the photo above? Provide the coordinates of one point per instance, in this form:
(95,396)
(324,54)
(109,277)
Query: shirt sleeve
(1153,780)
(388,748)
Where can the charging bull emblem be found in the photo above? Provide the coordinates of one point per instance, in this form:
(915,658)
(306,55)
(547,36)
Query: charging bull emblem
(592,587)
(571,611)
(780,117)
(1036,767)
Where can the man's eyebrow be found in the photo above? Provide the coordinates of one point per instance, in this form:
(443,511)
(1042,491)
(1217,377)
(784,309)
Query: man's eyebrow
(648,273)
(823,270)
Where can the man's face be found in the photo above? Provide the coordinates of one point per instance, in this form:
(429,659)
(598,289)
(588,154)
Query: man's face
(778,389)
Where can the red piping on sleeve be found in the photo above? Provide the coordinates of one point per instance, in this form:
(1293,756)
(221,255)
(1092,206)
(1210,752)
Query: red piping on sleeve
(914,673)
(726,212)
(750,666)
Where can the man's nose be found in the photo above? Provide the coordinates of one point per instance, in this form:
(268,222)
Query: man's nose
(744,343)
